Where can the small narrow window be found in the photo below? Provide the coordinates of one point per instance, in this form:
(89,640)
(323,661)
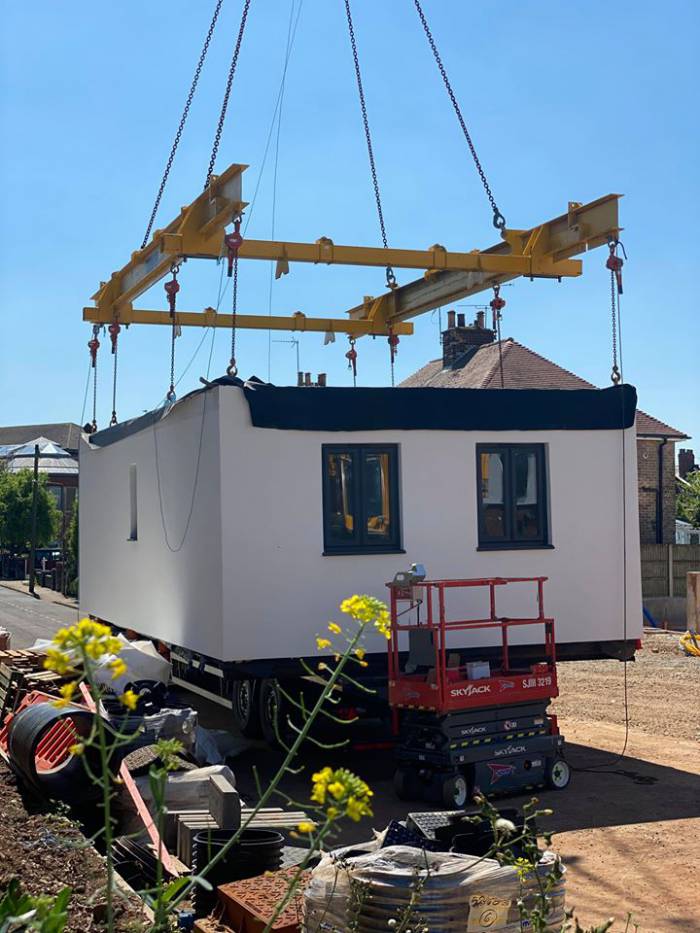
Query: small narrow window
(133,507)
(360,499)
(512,492)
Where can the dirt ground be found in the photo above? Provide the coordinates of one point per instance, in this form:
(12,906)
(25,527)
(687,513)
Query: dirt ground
(47,852)
(635,839)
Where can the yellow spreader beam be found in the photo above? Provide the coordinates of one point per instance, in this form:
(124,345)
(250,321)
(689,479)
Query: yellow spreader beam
(198,233)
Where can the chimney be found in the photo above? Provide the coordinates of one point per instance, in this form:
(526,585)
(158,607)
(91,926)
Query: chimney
(321,380)
(300,379)
(456,340)
(307,379)
(686,462)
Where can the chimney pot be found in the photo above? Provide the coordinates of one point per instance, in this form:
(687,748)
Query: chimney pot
(460,320)
(480,318)
(451,315)
(300,379)
(322,379)
(307,379)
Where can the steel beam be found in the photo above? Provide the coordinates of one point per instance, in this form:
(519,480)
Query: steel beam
(298,322)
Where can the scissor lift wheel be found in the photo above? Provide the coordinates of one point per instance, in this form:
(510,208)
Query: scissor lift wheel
(558,773)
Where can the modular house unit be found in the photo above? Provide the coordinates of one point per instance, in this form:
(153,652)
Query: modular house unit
(233,523)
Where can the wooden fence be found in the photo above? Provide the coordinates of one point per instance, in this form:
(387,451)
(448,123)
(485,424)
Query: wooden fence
(664,568)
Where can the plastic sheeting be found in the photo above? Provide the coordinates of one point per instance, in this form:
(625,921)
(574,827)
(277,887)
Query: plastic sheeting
(452,892)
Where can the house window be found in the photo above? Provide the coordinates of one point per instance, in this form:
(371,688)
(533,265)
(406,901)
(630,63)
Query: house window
(360,499)
(133,504)
(512,494)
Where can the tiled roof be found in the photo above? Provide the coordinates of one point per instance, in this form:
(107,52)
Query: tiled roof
(522,369)
(65,434)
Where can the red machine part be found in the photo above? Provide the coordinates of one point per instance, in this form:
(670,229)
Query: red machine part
(446,689)
(54,747)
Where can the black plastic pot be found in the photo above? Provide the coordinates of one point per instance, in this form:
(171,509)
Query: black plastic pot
(255,852)
(62,776)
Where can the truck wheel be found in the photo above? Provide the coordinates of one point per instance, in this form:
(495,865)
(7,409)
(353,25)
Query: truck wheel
(406,784)
(455,791)
(273,723)
(558,773)
(245,710)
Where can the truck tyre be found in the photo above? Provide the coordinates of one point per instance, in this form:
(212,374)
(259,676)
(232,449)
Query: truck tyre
(273,722)
(406,784)
(245,708)
(558,773)
(455,791)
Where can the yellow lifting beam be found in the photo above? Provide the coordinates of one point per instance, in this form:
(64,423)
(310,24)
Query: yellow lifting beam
(198,233)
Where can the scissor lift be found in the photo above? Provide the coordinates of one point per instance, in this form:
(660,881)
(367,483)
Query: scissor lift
(460,732)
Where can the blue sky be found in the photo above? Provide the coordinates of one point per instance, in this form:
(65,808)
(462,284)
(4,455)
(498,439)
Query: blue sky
(566,101)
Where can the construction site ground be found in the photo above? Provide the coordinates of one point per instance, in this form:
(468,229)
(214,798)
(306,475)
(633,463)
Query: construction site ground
(628,831)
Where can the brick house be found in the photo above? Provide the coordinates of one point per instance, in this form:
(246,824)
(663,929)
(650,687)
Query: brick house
(472,358)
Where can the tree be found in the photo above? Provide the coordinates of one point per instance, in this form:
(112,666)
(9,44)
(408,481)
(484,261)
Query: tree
(72,551)
(16,512)
(688,501)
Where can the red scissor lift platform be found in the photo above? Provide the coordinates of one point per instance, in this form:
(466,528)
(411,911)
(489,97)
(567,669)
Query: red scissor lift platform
(461,732)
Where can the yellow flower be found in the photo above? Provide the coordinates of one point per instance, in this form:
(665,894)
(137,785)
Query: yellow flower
(332,813)
(322,643)
(61,637)
(335,628)
(306,826)
(113,645)
(95,649)
(57,660)
(360,653)
(336,789)
(129,699)
(77,749)
(318,794)
(118,668)
(356,809)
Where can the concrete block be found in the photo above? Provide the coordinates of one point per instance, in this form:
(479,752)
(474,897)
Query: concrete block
(186,831)
(224,802)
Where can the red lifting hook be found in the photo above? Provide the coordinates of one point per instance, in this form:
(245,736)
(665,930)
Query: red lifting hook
(94,346)
(393,345)
(233,241)
(114,329)
(351,357)
(615,264)
(171,289)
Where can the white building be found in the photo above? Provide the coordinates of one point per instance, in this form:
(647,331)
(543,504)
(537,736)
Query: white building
(233,523)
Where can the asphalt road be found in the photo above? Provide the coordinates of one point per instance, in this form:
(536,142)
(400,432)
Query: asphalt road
(28,618)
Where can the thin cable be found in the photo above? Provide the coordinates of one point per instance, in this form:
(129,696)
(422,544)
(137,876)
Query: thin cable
(227,93)
(85,395)
(499,220)
(390,277)
(183,120)
(274,181)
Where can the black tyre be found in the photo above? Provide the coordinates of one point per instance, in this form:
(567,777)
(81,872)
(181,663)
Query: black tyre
(273,714)
(407,784)
(455,791)
(558,773)
(245,708)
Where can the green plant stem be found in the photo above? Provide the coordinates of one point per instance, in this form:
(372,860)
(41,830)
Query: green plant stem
(290,756)
(106,783)
(294,883)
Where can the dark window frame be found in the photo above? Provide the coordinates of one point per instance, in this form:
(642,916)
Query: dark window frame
(509,541)
(361,544)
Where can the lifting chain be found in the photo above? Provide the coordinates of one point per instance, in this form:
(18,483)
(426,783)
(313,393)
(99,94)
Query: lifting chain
(114,330)
(94,346)
(614,264)
(499,220)
(172,287)
(183,120)
(390,276)
(393,341)
(227,93)
(497,304)
(351,357)
(232,368)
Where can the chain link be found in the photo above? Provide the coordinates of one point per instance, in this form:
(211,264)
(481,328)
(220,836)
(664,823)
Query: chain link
(232,368)
(113,419)
(499,220)
(94,397)
(183,120)
(615,375)
(390,277)
(227,93)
